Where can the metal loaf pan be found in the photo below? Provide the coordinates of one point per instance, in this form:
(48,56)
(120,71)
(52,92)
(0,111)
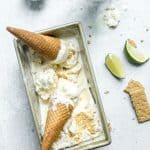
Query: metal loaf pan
(71,29)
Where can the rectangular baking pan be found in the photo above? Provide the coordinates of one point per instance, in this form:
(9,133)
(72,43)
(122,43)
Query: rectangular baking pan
(22,51)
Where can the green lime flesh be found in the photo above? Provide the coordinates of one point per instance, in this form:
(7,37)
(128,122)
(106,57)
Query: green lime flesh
(115,66)
(133,53)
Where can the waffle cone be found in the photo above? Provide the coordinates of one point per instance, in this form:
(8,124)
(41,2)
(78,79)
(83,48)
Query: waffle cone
(47,46)
(54,124)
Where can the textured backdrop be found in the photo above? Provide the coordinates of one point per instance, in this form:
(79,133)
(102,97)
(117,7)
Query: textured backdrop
(17,130)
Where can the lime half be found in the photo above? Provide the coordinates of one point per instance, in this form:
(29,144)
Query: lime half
(115,66)
(133,54)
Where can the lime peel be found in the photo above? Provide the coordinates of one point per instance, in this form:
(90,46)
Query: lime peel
(133,53)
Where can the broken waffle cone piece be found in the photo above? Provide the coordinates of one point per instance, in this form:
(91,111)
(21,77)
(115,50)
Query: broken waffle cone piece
(56,118)
(47,46)
(139,100)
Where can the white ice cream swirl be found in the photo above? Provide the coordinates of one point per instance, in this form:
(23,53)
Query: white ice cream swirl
(45,83)
(72,59)
(62,54)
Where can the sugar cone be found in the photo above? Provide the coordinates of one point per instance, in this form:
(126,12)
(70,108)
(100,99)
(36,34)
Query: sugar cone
(54,124)
(47,46)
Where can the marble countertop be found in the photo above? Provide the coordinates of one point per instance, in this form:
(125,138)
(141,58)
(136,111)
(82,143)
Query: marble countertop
(17,131)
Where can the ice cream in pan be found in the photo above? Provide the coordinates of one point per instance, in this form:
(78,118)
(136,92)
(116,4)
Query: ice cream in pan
(69,114)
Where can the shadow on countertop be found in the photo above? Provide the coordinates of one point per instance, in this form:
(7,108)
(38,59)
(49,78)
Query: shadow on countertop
(35,4)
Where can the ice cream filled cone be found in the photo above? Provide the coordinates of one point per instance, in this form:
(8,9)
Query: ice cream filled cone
(47,46)
(56,119)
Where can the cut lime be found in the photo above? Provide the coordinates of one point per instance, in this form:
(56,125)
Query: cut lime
(133,54)
(115,66)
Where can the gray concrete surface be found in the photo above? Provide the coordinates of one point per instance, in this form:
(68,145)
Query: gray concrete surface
(17,130)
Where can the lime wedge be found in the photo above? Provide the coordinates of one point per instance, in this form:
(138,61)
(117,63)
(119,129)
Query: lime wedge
(115,66)
(133,54)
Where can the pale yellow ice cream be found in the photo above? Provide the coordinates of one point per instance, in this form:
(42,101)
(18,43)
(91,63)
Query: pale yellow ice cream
(68,84)
(45,83)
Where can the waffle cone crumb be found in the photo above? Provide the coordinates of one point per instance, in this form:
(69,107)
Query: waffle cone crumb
(85,122)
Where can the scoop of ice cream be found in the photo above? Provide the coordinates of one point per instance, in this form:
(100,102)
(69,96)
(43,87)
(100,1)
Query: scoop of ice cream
(71,60)
(68,88)
(45,83)
(74,70)
(69,74)
(62,54)
(58,98)
(83,118)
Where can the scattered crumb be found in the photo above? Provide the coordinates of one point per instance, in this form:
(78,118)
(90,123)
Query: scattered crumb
(121,34)
(111,16)
(133,118)
(142,41)
(109,126)
(90,35)
(90,27)
(106,92)
(84,121)
(89,42)
(81,8)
